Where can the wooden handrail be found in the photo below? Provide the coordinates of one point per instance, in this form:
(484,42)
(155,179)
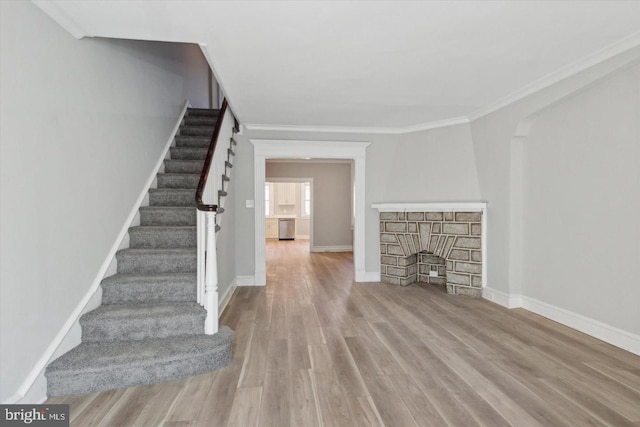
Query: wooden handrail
(207,163)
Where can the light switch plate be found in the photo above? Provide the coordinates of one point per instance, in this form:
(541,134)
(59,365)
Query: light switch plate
(248,203)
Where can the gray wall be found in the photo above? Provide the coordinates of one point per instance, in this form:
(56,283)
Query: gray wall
(83,124)
(331,198)
(581,202)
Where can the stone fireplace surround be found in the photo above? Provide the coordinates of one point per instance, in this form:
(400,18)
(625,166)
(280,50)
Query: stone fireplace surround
(446,238)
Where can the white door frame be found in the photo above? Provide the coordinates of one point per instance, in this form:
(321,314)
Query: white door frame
(297,149)
(299,181)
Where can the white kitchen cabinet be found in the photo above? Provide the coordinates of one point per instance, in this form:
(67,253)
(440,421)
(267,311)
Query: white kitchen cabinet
(286,193)
(271,229)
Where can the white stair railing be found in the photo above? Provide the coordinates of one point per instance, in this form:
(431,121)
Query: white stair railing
(208,202)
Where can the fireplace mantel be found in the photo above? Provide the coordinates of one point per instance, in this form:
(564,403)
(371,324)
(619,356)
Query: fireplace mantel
(449,237)
(431,207)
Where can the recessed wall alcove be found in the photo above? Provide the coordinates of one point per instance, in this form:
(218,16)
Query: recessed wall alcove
(438,243)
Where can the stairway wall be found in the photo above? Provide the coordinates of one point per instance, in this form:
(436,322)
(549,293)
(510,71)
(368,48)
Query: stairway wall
(83,124)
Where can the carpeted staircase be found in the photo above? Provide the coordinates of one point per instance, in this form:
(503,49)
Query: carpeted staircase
(149,327)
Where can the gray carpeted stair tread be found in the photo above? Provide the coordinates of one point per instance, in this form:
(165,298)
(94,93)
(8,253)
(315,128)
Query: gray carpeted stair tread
(195,120)
(176,260)
(193,141)
(148,288)
(168,215)
(188,153)
(162,237)
(172,197)
(203,112)
(178,180)
(92,367)
(183,166)
(128,322)
(197,130)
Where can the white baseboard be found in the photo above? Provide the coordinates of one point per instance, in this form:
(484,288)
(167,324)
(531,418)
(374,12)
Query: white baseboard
(64,341)
(224,300)
(367,276)
(607,333)
(302,237)
(245,281)
(344,248)
(502,298)
(595,328)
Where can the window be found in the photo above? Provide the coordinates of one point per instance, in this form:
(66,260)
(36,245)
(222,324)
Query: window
(267,200)
(307,199)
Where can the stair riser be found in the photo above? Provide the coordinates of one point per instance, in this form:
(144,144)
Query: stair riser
(178,181)
(197,130)
(172,199)
(126,329)
(188,153)
(156,238)
(183,166)
(193,141)
(148,293)
(145,263)
(181,217)
(203,112)
(117,377)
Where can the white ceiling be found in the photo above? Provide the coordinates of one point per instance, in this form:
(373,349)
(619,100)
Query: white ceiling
(371,64)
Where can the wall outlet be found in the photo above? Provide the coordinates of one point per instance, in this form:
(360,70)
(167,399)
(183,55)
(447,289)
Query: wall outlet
(433,274)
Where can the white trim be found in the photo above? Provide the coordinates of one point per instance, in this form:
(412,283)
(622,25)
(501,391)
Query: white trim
(246,281)
(322,161)
(371,276)
(360,129)
(302,236)
(502,298)
(62,18)
(607,333)
(224,300)
(267,148)
(430,207)
(565,72)
(335,248)
(120,242)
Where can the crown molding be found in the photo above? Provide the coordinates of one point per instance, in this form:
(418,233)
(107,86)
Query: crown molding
(61,18)
(567,71)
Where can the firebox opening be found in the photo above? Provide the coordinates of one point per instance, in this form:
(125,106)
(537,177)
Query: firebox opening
(432,269)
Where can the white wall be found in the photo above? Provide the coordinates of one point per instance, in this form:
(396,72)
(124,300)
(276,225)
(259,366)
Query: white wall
(423,176)
(581,201)
(331,198)
(83,124)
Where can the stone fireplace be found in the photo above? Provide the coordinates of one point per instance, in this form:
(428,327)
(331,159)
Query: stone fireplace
(441,244)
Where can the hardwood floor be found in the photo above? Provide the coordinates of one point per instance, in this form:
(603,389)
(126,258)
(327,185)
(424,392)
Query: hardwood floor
(313,348)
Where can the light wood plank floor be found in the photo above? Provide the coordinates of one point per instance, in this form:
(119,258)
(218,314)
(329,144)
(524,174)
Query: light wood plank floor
(313,348)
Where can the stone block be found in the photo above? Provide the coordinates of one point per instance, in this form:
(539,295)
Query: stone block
(451,289)
(467,243)
(394,250)
(388,260)
(437,281)
(383,249)
(469,216)
(447,246)
(408,280)
(459,254)
(431,259)
(389,279)
(412,227)
(381,226)
(412,270)
(436,228)
(468,267)
(396,227)
(434,216)
(384,216)
(470,292)
(423,278)
(383,269)
(476,281)
(458,279)
(450,265)
(415,216)
(476,229)
(455,228)
(410,260)
(402,239)
(448,216)
(424,269)
(440,248)
(402,216)
(442,271)
(398,271)
(424,230)
(388,238)
(476,256)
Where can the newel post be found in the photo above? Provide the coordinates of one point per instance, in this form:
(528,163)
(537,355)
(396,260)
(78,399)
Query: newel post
(211,276)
